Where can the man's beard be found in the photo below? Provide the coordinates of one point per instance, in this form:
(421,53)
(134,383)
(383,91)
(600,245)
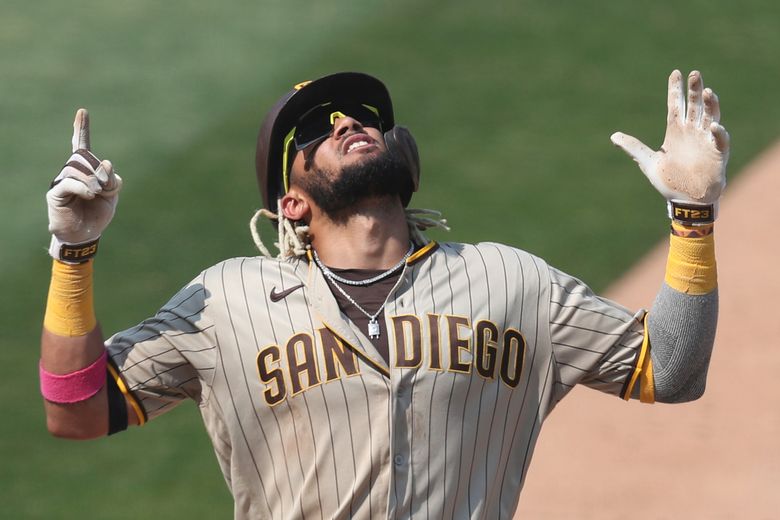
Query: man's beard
(379,176)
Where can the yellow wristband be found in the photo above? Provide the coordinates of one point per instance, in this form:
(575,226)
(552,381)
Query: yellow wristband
(69,309)
(691,267)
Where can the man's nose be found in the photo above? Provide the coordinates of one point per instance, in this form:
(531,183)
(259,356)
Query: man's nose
(343,125)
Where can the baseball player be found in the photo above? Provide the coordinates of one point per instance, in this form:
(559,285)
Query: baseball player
(367,372)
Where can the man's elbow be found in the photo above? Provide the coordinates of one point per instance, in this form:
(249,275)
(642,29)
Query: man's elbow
(70,422)
(76,432)
(691,391)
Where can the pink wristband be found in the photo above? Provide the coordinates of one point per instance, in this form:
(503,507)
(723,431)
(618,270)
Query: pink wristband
(76,386)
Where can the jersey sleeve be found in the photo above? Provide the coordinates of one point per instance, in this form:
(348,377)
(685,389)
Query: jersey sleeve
(168,357)
(595,342)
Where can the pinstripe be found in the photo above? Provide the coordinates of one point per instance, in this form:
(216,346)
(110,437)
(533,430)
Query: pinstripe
(462,441)
(434,308)
(157,375)
(159,407)
(416,270)
(393,482)
(386,382)
(352,448)
(146,360)
(587,329)
(411,443)
(482,390)
(563,288)
(410,430)
(561,363)
(297,449)
(468,392)
(433,390)
(586,310)
(316,457)
(196,350)
(577,347)
(332,445)
(430,420)
(449,399)
(448,504)
(371,449)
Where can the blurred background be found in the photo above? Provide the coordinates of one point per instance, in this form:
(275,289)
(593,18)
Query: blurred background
(512,104)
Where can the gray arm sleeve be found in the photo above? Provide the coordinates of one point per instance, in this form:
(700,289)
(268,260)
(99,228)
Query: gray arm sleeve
(682,333)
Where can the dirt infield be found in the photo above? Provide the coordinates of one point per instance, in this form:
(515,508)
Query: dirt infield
(716,458)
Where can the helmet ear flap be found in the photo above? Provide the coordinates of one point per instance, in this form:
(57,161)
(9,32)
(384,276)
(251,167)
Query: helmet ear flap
(402,145)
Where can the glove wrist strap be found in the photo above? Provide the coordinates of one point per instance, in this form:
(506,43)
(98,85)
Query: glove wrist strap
(73,253)
(691,213)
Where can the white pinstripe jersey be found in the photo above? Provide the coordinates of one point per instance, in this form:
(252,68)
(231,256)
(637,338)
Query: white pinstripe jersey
(308,421)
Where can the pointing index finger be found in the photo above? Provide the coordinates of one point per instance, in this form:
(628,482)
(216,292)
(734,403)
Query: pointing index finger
(80,139)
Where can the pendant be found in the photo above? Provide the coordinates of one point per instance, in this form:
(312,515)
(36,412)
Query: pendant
(373,328)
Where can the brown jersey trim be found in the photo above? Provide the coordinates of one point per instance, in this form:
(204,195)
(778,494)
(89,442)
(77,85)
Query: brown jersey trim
(359,352)
(134,402)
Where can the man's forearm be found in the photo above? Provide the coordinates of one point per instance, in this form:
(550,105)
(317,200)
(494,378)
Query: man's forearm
(682,322)
(72,353)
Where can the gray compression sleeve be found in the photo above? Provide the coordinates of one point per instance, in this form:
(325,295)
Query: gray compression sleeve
(682,333)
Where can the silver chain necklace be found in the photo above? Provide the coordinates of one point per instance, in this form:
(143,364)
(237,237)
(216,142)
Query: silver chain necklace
(373,324)
(367,281)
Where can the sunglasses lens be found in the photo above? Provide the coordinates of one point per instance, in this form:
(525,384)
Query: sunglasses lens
(366,116)
(313,126)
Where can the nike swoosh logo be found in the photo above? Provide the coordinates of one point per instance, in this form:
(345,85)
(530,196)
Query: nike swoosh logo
(277,296)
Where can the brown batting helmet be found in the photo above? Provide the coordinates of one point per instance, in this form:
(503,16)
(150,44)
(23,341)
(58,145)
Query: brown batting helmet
(352,87)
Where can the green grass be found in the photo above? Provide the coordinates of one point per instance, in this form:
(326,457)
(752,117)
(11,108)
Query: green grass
(512,104)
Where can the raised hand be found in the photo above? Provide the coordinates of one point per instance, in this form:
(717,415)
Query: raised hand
(691,164)
(83,197)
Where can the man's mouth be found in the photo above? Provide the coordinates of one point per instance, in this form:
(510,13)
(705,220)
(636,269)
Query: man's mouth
(357,142)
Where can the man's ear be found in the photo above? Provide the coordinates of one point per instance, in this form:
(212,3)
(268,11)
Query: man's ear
(295,206)
(401,144)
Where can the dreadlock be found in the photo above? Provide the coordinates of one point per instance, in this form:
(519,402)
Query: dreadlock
(293,237)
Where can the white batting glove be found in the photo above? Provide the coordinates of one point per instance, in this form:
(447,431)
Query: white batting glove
(690,168)
(82,199)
